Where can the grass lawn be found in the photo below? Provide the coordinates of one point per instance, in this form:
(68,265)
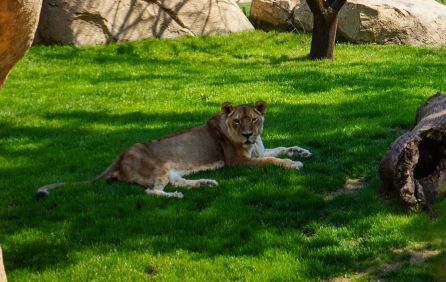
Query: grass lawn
(246,8)
(67,112)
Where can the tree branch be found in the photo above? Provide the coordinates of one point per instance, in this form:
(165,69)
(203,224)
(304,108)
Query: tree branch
(317,7)
(337,5)
(325,6)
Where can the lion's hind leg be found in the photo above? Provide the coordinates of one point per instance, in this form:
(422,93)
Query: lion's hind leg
(161,193)
(156,188)
(177,180)
(137,166)
(155,185)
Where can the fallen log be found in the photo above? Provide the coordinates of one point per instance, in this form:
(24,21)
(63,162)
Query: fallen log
(415,164)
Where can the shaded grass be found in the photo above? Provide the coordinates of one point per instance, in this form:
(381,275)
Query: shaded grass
(67,112)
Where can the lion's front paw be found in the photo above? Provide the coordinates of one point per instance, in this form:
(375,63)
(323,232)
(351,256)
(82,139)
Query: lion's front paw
(298,151)
(208,182)
(297,165)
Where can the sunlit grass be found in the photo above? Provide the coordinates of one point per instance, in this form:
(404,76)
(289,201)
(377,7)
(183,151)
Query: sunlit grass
(67,112)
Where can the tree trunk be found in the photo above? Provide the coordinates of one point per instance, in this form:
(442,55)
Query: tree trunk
(324,36)
(415,164)
(325,24)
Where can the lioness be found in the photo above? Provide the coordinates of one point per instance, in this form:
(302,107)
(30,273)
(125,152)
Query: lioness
(231,137)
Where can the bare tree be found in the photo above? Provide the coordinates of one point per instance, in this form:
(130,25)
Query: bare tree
(325,23)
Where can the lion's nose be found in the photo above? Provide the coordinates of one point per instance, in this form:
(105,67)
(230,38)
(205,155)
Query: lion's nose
(247,134)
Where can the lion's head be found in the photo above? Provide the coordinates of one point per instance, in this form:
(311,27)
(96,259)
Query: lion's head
(244,123)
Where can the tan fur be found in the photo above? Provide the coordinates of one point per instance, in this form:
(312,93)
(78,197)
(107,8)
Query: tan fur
(231,137)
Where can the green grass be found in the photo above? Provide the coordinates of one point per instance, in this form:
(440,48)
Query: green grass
(67,112)
(246,8)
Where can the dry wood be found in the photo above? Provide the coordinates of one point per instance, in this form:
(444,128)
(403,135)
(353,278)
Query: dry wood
(415,164)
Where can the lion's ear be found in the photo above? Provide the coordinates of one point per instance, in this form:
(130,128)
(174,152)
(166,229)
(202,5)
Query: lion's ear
(227,108)
(260,106)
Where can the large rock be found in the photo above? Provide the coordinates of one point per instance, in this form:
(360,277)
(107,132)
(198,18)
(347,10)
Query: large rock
(101,21)
(18,23)
(273,14)
(2,268)
(414,22)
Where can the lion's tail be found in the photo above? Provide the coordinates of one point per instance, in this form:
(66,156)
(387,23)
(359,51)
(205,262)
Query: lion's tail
(106,174)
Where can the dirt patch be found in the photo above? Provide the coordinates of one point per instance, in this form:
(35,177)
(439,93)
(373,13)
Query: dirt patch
(418,256)
(340,279)
(412,256)
(352,185)
(388,267)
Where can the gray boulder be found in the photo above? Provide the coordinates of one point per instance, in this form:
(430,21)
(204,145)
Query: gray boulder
(412,22)
(101,21)
(273,14)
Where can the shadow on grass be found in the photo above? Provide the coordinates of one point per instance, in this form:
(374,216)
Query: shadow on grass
(228,220)
(253,210)
(360,77)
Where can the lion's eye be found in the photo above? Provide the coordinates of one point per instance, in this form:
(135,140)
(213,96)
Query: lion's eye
(236,121)
(254,119)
